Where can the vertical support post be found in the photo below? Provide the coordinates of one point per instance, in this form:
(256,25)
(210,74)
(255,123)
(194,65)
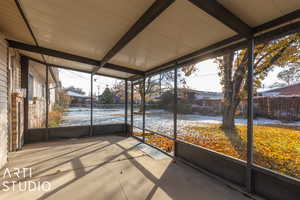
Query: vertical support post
(24,84)
(144,107)
(175,110)
(92,105)
(126,106)
(47,102)
(160,77)
(131,108)
(249,176)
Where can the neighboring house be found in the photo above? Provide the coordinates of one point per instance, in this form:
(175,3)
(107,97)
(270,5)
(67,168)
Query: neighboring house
(78,99)
(37,94)
(199,95)
(185,93)
(290,90)
(117,99)
(280,103)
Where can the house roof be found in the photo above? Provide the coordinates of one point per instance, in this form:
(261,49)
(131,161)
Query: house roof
(122,39)
(74,94)
(204,94)
(280,88)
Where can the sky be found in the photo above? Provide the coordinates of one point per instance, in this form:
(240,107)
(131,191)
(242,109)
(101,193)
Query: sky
(83,80)
(205,79)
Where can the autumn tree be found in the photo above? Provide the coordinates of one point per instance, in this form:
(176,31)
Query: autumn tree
(163,82)
(118,90)
(233,70)
(151,84)
(291,74)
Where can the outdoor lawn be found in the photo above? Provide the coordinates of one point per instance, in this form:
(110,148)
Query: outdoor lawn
(162,143)
(275,147)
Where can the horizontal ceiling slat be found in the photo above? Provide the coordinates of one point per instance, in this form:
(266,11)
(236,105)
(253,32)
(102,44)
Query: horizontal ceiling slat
(90,28)
(114,73)
(68,56)
(12,24)
(257,12)
(181,29)
(212,52)
(150,14)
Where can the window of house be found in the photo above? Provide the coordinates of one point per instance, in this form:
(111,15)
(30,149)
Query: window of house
(30,87)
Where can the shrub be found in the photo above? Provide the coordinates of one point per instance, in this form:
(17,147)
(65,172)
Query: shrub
(55,115)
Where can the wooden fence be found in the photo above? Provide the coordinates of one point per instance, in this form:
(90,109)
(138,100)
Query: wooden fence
(284,108)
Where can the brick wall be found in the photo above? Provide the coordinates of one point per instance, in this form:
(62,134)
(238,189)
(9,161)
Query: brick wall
(15,104)
(11,104)
(17,123)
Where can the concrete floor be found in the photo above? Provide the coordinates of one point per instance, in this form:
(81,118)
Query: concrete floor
(108,167)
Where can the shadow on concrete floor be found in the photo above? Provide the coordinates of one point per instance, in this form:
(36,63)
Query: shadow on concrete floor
(110,167)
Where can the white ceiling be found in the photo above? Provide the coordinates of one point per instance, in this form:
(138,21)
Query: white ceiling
(90,28)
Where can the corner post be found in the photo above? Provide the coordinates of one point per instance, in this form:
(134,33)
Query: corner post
(24,61)
(47,102)
(249,176)
(131,108)
(126,106)
(144,107)
(175,110)
(92,105)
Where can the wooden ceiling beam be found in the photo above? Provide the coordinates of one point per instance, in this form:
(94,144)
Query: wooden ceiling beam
(218,11)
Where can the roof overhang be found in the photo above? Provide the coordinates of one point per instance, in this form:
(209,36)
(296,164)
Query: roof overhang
(126,40)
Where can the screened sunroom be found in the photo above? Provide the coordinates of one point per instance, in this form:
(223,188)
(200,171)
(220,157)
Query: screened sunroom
(165,92)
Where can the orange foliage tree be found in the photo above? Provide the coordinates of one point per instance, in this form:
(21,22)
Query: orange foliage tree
(233,70)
